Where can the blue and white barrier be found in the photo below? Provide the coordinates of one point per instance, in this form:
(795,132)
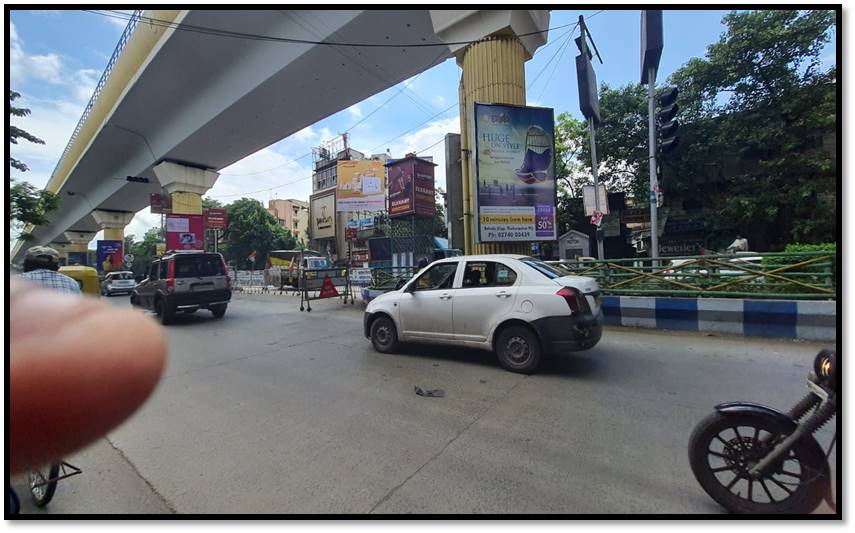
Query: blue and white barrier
(812,320)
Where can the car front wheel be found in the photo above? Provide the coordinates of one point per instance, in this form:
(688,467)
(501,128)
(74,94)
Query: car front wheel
(384,336)
(518,349)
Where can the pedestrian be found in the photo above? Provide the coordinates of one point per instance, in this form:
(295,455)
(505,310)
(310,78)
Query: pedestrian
(41,266)
(739,244)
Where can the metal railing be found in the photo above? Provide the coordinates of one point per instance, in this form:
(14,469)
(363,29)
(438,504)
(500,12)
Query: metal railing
(123,40)
(784,275)
(388,277)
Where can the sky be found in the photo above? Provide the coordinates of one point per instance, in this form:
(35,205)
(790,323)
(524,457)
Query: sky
(56,58)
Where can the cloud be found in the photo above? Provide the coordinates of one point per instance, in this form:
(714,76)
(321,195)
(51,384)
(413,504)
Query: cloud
(305,134)
(254,176)
(141,223)
(421,141)
(44,67)
(354,111)
(438,101)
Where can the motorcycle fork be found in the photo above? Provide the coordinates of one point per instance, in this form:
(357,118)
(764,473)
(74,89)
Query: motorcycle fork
(827,408)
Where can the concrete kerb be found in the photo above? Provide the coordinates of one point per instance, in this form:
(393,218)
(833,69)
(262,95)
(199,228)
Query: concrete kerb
(809,320)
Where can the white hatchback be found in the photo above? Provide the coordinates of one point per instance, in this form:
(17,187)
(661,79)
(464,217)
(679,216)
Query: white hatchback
(517,306)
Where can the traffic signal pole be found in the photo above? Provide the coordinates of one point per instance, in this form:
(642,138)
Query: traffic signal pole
(651,119)
(599,231)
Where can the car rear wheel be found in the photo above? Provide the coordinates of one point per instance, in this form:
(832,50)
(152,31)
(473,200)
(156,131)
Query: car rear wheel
(518,349)
(219,310)
(384,336)
(161,309)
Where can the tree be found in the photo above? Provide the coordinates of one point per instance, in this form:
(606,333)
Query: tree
(439,227)
(571,172)
(253,229)
(761,104)
(211,203)
(27,204)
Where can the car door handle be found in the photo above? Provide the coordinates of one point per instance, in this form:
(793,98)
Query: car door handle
(502,295)
(445,297)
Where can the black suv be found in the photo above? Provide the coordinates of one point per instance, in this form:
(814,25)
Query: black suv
(185,282)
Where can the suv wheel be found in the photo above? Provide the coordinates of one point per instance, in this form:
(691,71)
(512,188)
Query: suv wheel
(219,310)
(518,349)
(384,336)
(161,309)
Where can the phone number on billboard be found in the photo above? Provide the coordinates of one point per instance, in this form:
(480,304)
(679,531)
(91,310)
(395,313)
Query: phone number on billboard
(509,235)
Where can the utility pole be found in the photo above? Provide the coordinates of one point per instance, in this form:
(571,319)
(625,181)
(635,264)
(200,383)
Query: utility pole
(589,104)
(651,51)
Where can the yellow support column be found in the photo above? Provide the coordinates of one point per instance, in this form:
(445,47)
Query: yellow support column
(493,72)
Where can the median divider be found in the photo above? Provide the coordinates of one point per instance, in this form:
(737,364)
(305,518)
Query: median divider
(796,319)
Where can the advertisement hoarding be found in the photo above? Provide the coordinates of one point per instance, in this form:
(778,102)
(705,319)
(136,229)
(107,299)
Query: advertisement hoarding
(108,256)
(411,187)
(322,214)
(360,186)
(78,258)
(514,173)
(401,188)
(185,232)
(216,218)
(160,203)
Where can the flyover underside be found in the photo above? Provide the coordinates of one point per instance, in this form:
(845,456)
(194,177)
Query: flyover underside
(210,100)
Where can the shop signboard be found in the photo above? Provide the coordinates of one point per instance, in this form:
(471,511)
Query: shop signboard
(360,186)
(108,256)
(322,215)
(160,203)
(185,232)
(514,173)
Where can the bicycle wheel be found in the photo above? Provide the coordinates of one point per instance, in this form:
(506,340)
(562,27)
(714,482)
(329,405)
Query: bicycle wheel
(42,488)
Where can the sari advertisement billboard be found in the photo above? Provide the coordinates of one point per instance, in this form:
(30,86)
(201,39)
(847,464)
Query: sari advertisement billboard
(514,173)
(109,256)
(185,232)
(411,187)
(360,186)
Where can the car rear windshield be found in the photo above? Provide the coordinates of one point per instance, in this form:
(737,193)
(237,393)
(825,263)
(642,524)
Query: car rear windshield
(123,275)
(194,266)
(547,270)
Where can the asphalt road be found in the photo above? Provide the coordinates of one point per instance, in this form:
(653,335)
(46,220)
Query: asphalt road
(271,410)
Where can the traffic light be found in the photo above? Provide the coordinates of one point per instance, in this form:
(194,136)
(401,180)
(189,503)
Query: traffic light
(667,118)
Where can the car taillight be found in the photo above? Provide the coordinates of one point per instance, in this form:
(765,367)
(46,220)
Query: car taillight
(226,271)
(170,277)
(573,298)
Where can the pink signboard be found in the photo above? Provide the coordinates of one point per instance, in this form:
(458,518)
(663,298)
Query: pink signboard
(185,232)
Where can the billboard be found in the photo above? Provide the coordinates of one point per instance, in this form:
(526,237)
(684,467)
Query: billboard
(360,186)
(185,232)
(216,218)
(78,258)
(108,256)
(411,187)
(160,203)
(322,215)
(401,188)
(514,173)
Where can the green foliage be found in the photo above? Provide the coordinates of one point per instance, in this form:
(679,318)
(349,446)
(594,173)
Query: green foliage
(571,173)
(759,105)
(439,227)
(210,203)
(253,229)
(27,204)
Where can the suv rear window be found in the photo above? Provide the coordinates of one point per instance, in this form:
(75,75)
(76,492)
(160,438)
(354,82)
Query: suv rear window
(122,275)
(194,266)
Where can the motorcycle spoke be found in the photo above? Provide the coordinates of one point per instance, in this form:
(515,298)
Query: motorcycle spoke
(736,478)
(756,434)
(750,490)
(722,469)
(717,454)
(776,482)
(722,440)
(791,474)
(768,493)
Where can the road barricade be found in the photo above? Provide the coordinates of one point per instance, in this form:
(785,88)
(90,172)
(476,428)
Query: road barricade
(319,284)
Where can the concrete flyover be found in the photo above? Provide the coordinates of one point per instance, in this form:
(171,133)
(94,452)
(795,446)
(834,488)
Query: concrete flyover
(205,101)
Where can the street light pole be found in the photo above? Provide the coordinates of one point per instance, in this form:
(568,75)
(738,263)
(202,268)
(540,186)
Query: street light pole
(651,112)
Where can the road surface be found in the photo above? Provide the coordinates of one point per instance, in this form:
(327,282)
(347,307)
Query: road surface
(270,410)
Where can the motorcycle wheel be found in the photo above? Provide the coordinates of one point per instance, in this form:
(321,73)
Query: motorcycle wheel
(41,489)
(723,448)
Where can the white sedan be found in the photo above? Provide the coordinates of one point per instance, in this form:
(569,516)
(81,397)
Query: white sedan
(517,306)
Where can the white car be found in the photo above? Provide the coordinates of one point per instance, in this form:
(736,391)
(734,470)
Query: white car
(115,282)
(517,306)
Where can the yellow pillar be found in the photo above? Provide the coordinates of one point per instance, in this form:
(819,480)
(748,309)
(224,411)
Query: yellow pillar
(114,234)
(186,203)
(493,72)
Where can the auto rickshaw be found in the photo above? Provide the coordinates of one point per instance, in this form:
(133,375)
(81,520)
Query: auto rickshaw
(86,277)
